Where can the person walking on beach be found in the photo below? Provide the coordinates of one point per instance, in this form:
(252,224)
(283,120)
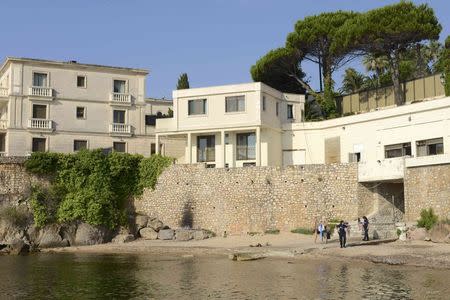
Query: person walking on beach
(342,231)
(320,230)
(365,225)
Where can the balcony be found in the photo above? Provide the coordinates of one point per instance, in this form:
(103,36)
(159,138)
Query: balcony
(3,124)
(120,99)
(40,124)
(387,169)
(40,93)
(4,92)
(119,129)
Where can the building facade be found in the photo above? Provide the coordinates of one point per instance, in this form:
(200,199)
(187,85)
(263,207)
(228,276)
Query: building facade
(69,106)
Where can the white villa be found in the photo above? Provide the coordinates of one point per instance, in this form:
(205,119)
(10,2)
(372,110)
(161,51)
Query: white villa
(254,125)
(69,106)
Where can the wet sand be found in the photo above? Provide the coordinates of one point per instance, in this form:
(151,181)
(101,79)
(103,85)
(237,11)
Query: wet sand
(295,246)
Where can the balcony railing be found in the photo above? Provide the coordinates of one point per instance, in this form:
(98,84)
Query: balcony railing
(119,128)
(120,98)
(2,153)
(40,124)
(4,92)
(41,91)
(3,124)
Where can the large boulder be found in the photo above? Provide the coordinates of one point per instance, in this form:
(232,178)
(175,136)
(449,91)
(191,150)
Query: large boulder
(202,234)
(10,232)
(417,234)
(155,224)
(440,233)
(148,234)
(123,238)
(141,221)
(184,234)
(166,234)
(91,235)
(51,236)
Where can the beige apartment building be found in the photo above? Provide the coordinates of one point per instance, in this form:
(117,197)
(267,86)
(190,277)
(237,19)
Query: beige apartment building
(69,106)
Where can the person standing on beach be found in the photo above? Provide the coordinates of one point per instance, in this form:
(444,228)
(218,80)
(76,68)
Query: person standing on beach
(365,224)
(342,231)
(320,230)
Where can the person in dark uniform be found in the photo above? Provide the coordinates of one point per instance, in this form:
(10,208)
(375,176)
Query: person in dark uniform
(365,225)
(342,231)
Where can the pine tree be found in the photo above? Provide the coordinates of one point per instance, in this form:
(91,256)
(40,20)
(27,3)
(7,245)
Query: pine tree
(183,82)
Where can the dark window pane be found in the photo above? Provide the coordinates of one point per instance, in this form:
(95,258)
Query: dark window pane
(119,86)
(39,111)
(206,148)
(119,116)
(81,81)
(245,146)
(40,79)
(38,145)
(119,146)
(80,113)
(197,107)
(79,145)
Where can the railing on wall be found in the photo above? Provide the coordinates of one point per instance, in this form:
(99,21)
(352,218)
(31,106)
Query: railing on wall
(40,91)
(3,124)
(120,98)
(4,91)
(120,128)
(40,124)
(415,90)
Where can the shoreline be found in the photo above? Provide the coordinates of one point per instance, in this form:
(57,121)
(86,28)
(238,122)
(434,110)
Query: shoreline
(284,245)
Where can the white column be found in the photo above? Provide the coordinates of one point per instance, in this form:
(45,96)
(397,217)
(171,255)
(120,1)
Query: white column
(222,150)
(258,146)
(189,150)
(157,144)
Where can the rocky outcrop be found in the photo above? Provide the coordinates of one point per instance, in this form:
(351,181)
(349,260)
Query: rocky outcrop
(87,234)
(50,236)
(123,238)
(148,234)
(166,234)
(440,233)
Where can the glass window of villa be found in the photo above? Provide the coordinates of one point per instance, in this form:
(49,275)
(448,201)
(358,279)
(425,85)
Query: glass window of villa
(245,146)
(120,86)
(197,107)
(40,79)
(119,116)
(264,103)
(277,108)
(81,81)
(79,145)
(397,150)
(290,111)
(206,148)
(119,146)
(38,145)
(235,103)
(430,147)
(81,112)
(39,111)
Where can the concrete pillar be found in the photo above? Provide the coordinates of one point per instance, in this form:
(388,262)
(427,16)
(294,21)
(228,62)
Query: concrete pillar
(258,146)
(157,144)
(189,146)
(222,159)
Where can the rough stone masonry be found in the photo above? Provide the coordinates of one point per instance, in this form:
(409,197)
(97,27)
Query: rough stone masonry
(253,199)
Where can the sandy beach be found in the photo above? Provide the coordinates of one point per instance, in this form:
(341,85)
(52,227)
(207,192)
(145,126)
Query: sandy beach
(285,245)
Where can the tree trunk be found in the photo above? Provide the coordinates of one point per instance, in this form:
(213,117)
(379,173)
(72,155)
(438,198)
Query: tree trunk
(328,105)
(395,73)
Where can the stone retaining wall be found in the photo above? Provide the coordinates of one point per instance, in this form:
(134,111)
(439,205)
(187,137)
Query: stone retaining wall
(427,187)
(252,199)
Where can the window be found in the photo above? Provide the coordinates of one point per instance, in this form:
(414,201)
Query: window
(79,145)
(354,157)
(206,148)
(264,103)
(290,111)
(2,142)
(40,79)
(119,116)
(302,112)
(245,146)
(120,86)
(277,108)
(81,112)
(430,147)
(153,148)
(397,150)
(38,145)
(39,111)
(249,164)
(197,107)
(119,146)
(81,81)
(235,103)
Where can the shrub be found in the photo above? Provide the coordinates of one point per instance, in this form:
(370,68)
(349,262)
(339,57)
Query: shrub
(44,204)
(272,231)
(14,215)
(42,163)
(446,63)
(303,230)
(427,219)
(150,169)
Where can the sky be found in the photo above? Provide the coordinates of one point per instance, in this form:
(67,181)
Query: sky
(214,41)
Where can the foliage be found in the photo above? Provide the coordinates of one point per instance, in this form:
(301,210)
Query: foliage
(42,163)
(91,186)
(445,221)
(399,232)
(14,215)
(302,230)
(183,82)
(427,219)
(391,31)
(445,58)
(272,231)
(353,81)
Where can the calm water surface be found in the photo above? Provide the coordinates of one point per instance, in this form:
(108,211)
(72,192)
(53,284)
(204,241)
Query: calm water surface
(83,276)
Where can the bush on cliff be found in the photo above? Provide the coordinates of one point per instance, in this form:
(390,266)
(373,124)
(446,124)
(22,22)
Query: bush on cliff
(427,219)
(91,186)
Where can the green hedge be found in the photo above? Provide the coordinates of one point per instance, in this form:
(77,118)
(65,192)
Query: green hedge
(91,186)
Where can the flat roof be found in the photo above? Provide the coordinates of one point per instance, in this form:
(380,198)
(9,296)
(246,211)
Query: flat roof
(73,64)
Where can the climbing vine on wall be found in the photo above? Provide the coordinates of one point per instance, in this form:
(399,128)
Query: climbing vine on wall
(91,186)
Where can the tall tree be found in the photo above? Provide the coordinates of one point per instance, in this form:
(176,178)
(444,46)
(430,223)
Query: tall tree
(353,81)
(391,31)
(315,37)
(183,82)
(377,65)
(445,58)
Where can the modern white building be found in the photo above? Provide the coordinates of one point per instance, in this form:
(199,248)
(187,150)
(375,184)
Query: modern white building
(233,125)
(253,124)
(69,106)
